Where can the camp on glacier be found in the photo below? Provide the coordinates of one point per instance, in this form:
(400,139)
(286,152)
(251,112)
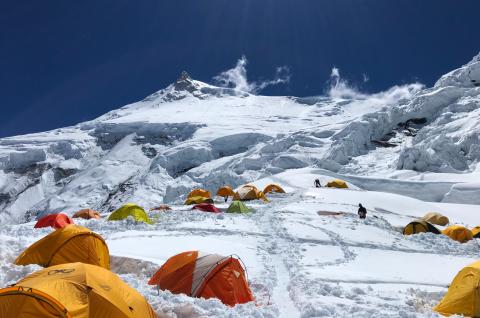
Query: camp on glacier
(409,155)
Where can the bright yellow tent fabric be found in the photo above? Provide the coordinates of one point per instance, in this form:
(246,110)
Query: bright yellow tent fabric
(458,233)
(419,226)
(436,218)
(476,232)
(337,183)
(463,295)
(74,290)
(225,191)
(72,243)
(130,209)
(249,192)
(199,193)
(273,188)
(197,200)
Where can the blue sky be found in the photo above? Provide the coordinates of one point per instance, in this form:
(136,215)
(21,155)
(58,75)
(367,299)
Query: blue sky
(63,62)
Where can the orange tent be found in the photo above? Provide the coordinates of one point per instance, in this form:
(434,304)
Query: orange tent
(199,274)
(458,233)
(225,191)
(87,214)
(72,243)
(199,193)
(273,188)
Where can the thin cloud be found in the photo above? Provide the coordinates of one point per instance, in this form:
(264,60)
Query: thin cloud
(236,77)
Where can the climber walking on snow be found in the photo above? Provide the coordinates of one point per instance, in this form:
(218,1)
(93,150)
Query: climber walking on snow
(317,183)
(362,212)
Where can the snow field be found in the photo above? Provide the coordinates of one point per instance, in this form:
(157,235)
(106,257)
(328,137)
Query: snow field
(299,263)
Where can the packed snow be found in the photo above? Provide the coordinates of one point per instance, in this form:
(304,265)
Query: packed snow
(404,152)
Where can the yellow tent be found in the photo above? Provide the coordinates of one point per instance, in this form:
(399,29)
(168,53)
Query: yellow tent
(419,226)
(476,232)
(69,244)
(197,200)
(249,192)
(225,191)
(463,296)
(273,188)
(130,209)
(436,218)
(458,233)
(199,193)
(337,184)
(73,290)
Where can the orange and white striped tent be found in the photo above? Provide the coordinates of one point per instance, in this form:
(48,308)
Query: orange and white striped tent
(249,192)
(204,275)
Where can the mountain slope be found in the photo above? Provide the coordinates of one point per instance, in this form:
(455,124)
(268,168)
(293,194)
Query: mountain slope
(194,134)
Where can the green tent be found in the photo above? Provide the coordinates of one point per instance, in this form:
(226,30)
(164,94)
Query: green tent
(238,207)
(137,212)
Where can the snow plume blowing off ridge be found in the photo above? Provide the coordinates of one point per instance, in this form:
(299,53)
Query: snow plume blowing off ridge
(237,78)
(341,88)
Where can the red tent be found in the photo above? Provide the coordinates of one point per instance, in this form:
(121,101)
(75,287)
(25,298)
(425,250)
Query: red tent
(57,221)
(207,207)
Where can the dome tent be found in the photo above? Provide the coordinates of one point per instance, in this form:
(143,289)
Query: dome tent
(273,188)
(199,193)
(204,275)
(73,290)
(206,207)
(72,243)
(476,232)
(56,220)
(462,297)
(197,200)
(238,207)
(87,214)
(337,183)
(249,192)
(130,209)
(458,233)
(436,218)
(225,191)
(419,226)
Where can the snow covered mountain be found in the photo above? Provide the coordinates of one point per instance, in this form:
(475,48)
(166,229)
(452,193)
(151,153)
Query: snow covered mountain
(194,134)
(404,152)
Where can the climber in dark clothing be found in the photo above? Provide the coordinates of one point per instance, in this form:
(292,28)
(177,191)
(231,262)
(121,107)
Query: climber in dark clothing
(362,212)
(317,183)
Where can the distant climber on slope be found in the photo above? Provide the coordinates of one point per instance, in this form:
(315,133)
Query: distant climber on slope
(362,212)
(317,183)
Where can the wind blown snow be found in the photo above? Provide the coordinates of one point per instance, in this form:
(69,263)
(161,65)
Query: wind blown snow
(237,78)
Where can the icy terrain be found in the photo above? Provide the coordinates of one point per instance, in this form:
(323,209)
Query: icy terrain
(405,152)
